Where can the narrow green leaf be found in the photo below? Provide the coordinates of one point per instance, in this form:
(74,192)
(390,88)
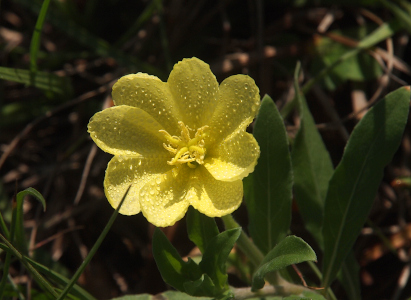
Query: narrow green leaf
(270,212)
(356,179)
(17,234)
(201,229)
(402,15)
(93,250)
(54,276)
(40,280)
(42,80)
(216,254)
(84,37)
(35,40)
(173,269)
(312,168)
(291,250)
(383,32)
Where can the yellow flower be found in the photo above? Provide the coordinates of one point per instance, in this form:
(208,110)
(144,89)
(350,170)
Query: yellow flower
(178,143)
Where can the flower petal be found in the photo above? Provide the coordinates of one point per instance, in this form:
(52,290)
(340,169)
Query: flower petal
(194,88)
(163,200)
(234,158)
(215,198)
(123,171)
(238,103)
(126,130)
(151,95)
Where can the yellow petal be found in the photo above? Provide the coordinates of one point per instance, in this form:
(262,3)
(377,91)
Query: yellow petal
(194,88)
(234,158)
(215,198)
(238,103)
(151,95)
(163,199)
(123,171)
(126,130)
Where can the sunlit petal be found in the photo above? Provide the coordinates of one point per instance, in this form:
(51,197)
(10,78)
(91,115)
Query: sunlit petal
(126,130)
(234,158)
(238,103)
(125,171)
(215,198)
(163,199)
(151,95)
(194,88)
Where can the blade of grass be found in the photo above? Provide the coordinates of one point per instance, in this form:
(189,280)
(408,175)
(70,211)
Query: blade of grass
(3,227)
(35,40)
(91,41)
(144,17)
(17,226)
(41,281)
(400,13)
(55,276)
(42,80)
(93,250)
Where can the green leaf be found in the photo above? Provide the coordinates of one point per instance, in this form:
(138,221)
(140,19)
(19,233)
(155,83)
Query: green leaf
(360,67)
(173,269)
(53,275)
(169,295)
(291,250)
(354,184)
(136,297)
(383,32)
(17,226)
(203,286)
(201,229)
(349,276)
(270,212)
(42,80)
(312,168)
(400,13)
(306,296)
(35,40)
(215,257)
(93,250)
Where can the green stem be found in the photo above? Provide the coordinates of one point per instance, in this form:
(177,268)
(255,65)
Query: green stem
(244,243)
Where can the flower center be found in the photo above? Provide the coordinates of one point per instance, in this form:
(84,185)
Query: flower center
(186,149)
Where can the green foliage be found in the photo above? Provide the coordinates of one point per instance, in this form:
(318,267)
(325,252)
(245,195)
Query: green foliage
(355,181)
(270,211)
(42,80)
(312,168)
(333,204)
(201,229)
(209,277)
(291,250)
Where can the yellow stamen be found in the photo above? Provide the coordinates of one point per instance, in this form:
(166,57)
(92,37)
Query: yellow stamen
(184,148)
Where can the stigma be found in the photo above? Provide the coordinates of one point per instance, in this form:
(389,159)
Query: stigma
(186,149)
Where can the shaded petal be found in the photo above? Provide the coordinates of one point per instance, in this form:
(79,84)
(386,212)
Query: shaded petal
(123,171)
(238,103)
(151,95)
(215,198)
(194,88)
(163,199)
(126,130)
(234,158)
